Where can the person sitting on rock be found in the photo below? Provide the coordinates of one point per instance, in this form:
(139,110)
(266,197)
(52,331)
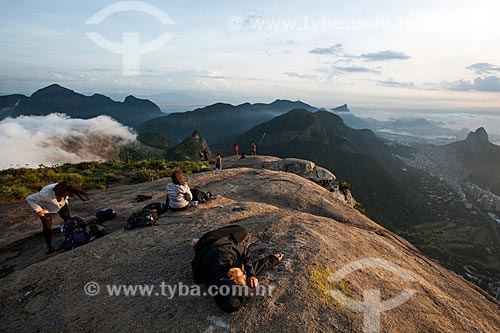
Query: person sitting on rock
(220,259)
(53,199)
(178,193)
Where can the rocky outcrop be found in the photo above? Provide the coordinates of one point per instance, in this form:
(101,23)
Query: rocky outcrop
(321,176)
(480,135)
(190,148)
(318,234)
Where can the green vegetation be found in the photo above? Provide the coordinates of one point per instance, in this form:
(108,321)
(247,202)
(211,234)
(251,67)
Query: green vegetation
(456,236)
(321,287)
(18,183)
(359,207)
(344,186)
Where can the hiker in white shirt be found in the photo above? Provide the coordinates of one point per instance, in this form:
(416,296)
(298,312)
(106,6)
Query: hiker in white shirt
(53,199)
(178,193)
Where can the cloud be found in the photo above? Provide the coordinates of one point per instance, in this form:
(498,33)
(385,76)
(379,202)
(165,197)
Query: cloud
(484,68)
(57,138)
(489,83)
(385,55)
(301,76)
(332,50)
(354,69)
(393,83)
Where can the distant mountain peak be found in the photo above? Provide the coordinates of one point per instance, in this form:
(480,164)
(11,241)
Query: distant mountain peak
(53,89)
(288,102)
(480,135)
(342,108)
(140,103)
(131,99)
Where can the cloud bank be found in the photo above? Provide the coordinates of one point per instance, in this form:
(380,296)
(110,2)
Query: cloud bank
(354,69)
(385,55)
(484,68)
(301,76)
(336,49)
(489,83)
(396,84)
(57,138)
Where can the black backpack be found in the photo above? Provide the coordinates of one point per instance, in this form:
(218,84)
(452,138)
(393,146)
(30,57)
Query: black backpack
(158,206)
(200,195)
(105,214)
(96,231)
(146,217)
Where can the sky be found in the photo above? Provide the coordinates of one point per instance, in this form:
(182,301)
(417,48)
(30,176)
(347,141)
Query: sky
(385,56)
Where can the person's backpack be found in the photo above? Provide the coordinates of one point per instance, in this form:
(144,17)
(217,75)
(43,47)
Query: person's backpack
(74,232)
(142,197)
(147,217)
(200,195)
(105,214)
(96,231)
(158,206)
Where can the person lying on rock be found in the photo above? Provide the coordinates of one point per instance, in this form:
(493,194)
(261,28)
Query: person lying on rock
(220,259)
(178,193)
(53,199)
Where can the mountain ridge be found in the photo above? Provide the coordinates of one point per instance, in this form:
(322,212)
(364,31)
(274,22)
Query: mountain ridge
(219,122)
(57,99)
(379,180)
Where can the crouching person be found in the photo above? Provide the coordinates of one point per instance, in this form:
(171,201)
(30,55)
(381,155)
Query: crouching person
(221,260)
(178,193)
(53,199)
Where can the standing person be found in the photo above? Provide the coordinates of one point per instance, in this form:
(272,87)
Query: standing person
(205,154)
(236,148)
(218,163)
(53,199)
(178,193)
(253,148)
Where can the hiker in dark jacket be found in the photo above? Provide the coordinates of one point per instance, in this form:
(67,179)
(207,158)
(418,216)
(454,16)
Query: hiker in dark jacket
(220,259)
(53,199)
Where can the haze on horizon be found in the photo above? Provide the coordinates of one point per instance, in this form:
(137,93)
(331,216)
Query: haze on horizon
(398,57)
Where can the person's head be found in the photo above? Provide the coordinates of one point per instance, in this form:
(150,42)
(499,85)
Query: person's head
(229,302)
(237,275)
(218,154)
(63,190)
(178,178)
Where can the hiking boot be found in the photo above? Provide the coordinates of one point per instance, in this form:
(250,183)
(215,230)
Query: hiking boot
(49,250)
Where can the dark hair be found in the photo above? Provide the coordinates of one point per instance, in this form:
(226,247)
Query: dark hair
(178,178)
(63,189)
